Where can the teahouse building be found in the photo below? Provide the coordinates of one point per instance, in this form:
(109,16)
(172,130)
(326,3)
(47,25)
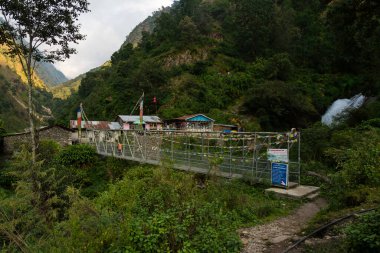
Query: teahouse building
(93,125)
(194,122)
(131,122)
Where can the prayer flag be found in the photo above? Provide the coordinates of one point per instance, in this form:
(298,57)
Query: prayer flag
(141,109)
(79,117)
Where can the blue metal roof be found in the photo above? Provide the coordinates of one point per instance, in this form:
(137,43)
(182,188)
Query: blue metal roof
(200,118)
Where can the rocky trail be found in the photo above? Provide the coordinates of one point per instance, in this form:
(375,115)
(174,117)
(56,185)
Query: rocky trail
(276,235)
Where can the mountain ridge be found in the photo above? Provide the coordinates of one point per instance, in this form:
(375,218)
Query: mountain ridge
(253,63)
(13,109)
(13,105)
(147,25)
(50,75)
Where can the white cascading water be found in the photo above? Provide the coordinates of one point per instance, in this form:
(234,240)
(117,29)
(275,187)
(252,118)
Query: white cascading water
(341,106)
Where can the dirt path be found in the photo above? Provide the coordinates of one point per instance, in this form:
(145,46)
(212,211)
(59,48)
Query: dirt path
(271,237)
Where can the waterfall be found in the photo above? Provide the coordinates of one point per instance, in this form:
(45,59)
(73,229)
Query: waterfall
(340,107)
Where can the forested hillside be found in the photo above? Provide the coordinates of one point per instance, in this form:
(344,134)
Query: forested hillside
(46,74)
(262,64)
(258,63)
(64,90)
(49,74)
(147,26)
(13,104)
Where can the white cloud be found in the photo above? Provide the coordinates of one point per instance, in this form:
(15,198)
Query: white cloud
(106,27)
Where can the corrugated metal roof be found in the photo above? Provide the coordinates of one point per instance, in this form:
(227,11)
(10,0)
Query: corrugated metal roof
(114,126)
(133,118)
(99,125)
(187,117)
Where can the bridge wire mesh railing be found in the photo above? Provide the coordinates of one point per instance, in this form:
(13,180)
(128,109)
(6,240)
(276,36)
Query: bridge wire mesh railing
(230,154)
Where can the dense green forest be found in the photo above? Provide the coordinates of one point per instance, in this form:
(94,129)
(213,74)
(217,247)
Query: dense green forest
(72,200)
(262,64)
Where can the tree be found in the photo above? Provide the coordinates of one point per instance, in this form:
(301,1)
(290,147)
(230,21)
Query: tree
(189,30)
(29,25)
(252,26)
(355,28)
(2,129)
(2,132)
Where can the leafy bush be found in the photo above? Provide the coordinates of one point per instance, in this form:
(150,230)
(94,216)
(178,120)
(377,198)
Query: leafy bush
(280,105)
(2,132)
(161,210)
(78,156)
(315,141)
(358,169)
(364,234)
(47,150)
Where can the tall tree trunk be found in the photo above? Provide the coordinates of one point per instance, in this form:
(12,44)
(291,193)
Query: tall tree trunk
(31,121)
(30,112)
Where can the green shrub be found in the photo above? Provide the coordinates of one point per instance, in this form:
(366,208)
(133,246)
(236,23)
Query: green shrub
(364,234)
(161,210)
(358,170)
(263,211)
(372,122)
(115,167)
(78,156)
(47,150)
(3,193)
(315,140)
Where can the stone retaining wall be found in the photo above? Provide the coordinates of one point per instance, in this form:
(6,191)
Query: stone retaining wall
(59,134)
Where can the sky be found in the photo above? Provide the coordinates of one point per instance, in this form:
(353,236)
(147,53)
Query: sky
(106,28)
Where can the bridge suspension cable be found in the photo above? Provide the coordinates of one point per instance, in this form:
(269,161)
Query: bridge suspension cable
(234,154)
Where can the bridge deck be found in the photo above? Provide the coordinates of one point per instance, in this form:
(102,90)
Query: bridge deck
(238,155)
(175,166)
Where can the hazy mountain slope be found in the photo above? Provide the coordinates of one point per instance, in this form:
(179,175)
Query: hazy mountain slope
(50,75)
(135,36)
(14,65)
(13,104)
(46,74)
(64,90)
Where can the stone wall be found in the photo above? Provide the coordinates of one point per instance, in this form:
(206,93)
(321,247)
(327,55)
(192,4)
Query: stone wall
(59,134)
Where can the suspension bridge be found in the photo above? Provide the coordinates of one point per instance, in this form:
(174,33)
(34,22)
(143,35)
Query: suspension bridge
(230,155)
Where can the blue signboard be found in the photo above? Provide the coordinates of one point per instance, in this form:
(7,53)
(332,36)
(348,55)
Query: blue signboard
(280,174)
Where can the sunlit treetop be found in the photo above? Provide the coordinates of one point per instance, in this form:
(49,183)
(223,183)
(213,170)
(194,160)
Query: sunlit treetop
(28,24)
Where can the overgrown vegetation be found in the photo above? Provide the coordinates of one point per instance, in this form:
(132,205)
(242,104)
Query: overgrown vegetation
(364,235)
(14,101)
(261,64)
(347,160)
(87,204)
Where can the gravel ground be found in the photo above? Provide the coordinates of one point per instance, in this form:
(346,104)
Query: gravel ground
(272,237)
